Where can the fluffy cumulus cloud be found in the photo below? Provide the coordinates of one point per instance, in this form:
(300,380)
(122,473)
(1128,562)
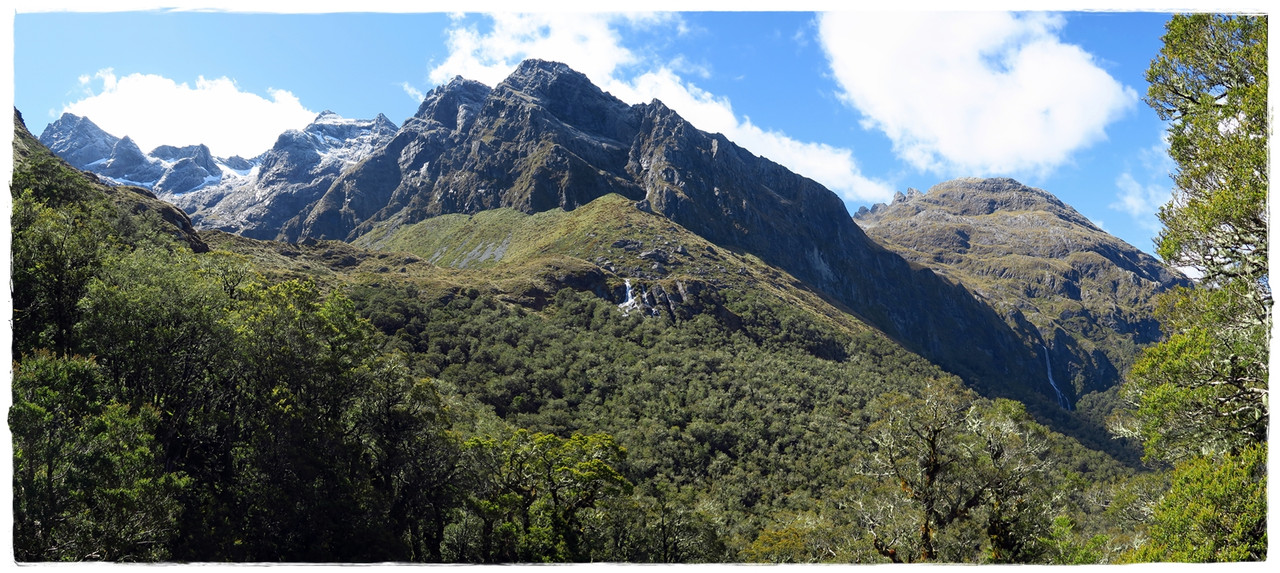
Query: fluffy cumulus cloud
(1140,201)
(1140,195)
(593,44)
(155,110)
(974,93)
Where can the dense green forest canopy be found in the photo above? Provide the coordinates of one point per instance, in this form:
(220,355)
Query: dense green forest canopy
(183,397)
(236,410)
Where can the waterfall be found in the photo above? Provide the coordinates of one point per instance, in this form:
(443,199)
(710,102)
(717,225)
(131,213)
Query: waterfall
(633,299)
(1062,400)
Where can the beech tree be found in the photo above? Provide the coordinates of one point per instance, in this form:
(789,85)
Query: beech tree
(1199,398)
(1215,511)
(950,473)
(1203,390)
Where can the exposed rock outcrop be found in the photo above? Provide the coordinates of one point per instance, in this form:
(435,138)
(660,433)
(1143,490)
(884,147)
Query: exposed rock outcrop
(1087,294)
(546,138)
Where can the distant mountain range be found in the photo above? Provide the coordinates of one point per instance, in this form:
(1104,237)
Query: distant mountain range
(252,197)
(165,170)
(999,283)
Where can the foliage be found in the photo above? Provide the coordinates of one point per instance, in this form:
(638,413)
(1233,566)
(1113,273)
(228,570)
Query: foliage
(1063,547)
(1216,510)
(86,482)
(940,461)
(532,491)
(1200,397)
(278,404)
(1210,82)
(1203,391)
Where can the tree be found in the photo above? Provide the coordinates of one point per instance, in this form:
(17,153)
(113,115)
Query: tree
(412,458)
(298,463)
(948,473)
(531,491)
(1203,390)
(1210,82)
(56,250)
(87,484)
(1199,398)
(1216,510)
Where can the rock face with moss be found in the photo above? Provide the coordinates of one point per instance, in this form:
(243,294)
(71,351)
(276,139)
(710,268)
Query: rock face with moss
(547,138)
(1036,260)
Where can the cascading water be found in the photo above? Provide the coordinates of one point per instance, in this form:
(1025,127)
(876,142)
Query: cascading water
(1062,399)
(633,299)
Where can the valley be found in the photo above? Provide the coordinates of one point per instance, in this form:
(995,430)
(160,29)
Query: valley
(534,323)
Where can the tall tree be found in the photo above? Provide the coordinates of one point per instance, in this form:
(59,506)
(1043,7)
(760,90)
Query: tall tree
(1200,396)
(944,465)
(86,485)
(1204,389)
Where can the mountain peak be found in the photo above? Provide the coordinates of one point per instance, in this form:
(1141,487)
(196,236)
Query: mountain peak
(1086,295)
(534,67)
(78,140)
(448,104)
(551,80)
(973,196)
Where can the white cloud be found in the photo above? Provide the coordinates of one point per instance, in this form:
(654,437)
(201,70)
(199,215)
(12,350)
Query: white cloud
(413,92)
(1140,200)
(592,44)
(155,110)
(973,93)
(586,42)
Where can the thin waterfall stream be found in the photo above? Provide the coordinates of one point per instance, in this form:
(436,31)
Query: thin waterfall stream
(1062,399)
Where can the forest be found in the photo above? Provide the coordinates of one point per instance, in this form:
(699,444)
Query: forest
(170,405)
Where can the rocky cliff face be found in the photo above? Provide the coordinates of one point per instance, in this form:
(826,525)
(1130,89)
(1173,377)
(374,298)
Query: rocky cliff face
(167,171)
(78,141)
(126,198)
(547,138)
(543,138)
(294,173)
(1087,294)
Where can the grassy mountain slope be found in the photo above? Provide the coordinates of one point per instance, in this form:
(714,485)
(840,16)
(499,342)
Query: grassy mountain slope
(1087,295)
(733,386)
(266,419)
(546,139)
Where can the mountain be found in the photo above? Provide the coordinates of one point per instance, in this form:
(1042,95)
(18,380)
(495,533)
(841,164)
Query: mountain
(131,202)
(252,197)
(166,170)
(647,288)
(1036,260)
(292,174)
(547,138)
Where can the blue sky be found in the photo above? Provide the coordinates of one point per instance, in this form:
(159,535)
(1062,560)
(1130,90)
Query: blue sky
(867,103)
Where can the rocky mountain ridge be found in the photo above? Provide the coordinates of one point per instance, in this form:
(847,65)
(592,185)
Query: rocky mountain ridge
(546,138)
(252,197)
(127,198)
(295,172)
(1035,259)
(166,171)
